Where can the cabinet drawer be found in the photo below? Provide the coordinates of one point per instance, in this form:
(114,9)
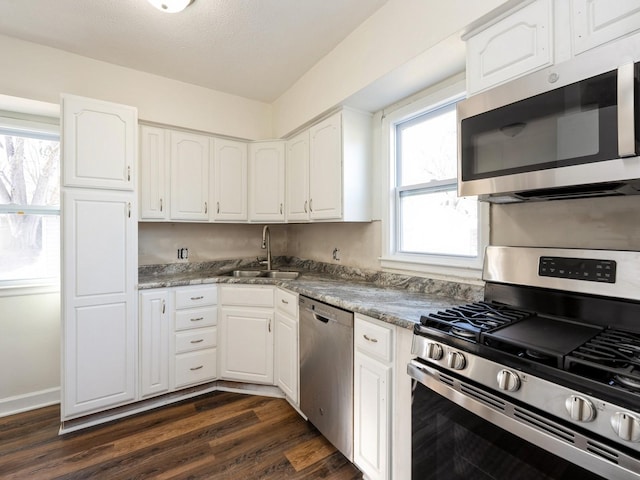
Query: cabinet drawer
(195,367)
(374,339)
(189,297)
(196,318)
(249,296)
(287,302)
(197,339)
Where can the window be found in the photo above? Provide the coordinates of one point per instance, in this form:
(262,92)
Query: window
(429,228)
(29,202)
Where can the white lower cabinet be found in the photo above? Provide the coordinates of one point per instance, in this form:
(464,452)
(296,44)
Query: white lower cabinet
(154,342)
(373,377)
(194,341)
(287,360)
(246,333)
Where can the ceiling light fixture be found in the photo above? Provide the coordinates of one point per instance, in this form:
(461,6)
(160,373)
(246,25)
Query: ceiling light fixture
(170,6)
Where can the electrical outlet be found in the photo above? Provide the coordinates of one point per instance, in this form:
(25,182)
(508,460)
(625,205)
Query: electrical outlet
(183,253)
(336,254)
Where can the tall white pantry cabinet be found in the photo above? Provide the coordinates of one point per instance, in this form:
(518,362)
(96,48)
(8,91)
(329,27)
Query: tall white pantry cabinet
(99,255)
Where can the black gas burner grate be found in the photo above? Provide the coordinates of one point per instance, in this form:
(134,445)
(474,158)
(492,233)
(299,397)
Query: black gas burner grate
(471,320)
(613,356)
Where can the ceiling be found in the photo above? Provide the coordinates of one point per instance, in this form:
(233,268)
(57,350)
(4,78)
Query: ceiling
(253,48)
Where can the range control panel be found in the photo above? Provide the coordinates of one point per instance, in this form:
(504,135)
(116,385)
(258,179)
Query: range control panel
(590,270)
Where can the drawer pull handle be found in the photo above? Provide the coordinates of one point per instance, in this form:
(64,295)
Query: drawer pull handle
(197,298)
(197,319)
(197,341)
(196,368)
(284,301)
(369,339)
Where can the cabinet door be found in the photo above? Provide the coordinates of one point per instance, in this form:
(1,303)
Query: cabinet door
(325,169)
(154,178)
(286,356)
(154,343)
(596,22)
(266,182)
(230,180)
(189,176)
(246,344)
(99,144)
(518,44)
(99,275)
(297,172)
(371,416)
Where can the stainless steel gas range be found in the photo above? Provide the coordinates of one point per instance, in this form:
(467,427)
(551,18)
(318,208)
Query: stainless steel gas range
(540,380)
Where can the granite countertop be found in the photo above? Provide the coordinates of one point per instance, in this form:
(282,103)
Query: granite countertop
(396,299)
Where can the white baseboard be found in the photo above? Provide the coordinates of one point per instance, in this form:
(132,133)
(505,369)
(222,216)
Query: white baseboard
(29,401)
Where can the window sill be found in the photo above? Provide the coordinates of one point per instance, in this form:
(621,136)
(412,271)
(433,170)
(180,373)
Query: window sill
(445,268)
(28,289)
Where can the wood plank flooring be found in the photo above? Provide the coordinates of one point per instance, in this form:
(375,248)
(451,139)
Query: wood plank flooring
(217,436)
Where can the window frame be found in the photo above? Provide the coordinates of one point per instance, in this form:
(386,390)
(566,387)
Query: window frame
(45,128)
(468,269)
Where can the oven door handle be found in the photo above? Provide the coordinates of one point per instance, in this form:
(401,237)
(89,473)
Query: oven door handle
(419,373)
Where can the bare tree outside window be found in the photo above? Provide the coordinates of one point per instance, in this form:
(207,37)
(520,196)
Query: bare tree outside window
(29,205)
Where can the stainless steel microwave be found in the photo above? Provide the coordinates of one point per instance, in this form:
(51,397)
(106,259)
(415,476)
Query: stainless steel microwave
(568,131)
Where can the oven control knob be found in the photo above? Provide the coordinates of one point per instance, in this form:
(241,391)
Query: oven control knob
(508,380)
(580,409)
(456,361)
(626,426)
(434,351)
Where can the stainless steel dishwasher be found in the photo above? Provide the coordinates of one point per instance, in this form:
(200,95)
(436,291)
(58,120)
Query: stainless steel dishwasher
(326,371)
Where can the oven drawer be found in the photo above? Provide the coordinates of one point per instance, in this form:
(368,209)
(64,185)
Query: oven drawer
(196,318)
(197,339)
(195,367)
(374,339)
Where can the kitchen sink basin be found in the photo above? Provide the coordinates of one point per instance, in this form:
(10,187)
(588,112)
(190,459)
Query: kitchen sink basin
(265,273)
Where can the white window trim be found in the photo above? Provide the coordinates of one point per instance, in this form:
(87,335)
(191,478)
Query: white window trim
(445,267)
(47,126)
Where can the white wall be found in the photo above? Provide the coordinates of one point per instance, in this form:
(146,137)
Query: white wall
(42,73)
(391,38)
(158,242)
(29,351)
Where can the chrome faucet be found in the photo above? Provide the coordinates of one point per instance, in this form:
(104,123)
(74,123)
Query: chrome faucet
(266,243)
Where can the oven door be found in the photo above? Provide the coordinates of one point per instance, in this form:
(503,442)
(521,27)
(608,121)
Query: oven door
(460,432)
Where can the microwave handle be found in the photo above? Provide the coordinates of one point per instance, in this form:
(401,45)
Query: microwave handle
(626,111)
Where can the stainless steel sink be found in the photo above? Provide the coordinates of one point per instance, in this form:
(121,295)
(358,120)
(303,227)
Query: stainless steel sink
(282,274)
(248,273)
(265,273)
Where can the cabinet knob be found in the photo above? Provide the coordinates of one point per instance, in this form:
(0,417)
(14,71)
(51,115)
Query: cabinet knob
(129,173)
(311,205)
(206,207)
(284,301)
(280,209)
(305,206)
(217,207)
(129,209)
(369,339)
(196,368)
(160,204)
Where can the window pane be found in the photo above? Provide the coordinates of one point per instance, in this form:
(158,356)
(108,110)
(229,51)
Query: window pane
(29,247)
(439,223)
(29,170)
(427,147)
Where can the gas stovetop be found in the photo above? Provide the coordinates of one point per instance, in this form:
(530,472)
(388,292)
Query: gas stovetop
(558,330)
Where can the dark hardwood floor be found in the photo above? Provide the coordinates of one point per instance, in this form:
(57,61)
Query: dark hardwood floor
(220,436)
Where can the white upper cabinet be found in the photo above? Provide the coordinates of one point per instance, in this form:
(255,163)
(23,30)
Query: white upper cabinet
(266,181)
(513,46)
(540,33)
(596,22)
(325,169)
(190,158)
(229,199)
(338,171)
(99,142)
(297,172)
(154,173)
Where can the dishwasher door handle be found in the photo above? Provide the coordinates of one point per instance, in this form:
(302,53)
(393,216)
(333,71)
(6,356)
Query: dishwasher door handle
(320,317)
